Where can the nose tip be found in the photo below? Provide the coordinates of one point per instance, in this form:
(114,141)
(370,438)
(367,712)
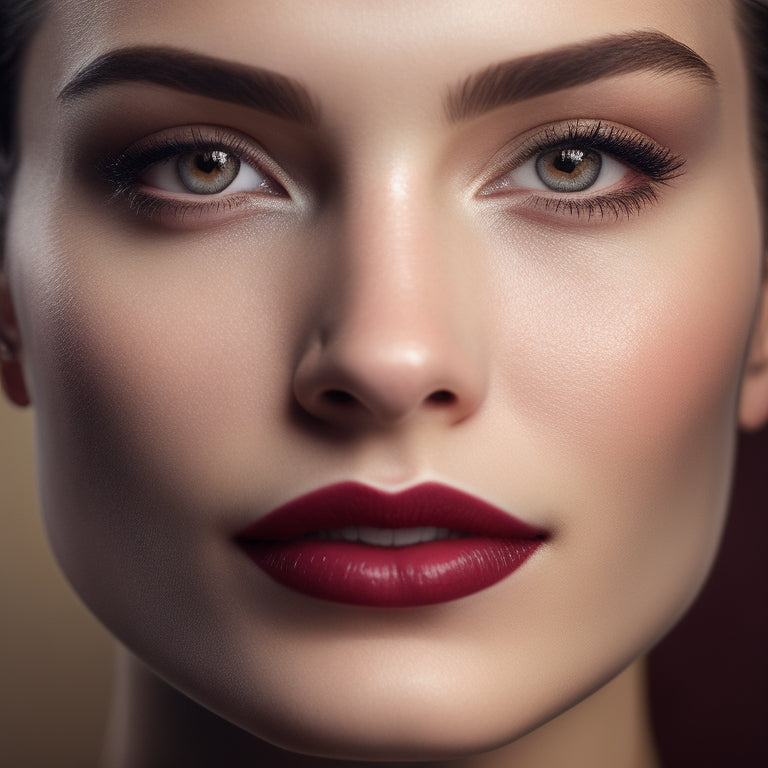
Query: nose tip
(392,329)
(369,380)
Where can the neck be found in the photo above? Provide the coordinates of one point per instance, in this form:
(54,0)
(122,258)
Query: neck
(153,725)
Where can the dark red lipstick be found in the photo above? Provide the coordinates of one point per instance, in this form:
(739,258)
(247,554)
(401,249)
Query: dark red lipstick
(351,543)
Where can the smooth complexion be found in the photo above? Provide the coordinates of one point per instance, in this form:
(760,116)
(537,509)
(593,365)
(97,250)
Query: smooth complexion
(389,298)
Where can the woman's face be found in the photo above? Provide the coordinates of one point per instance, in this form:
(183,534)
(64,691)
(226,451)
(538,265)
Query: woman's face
(542,297)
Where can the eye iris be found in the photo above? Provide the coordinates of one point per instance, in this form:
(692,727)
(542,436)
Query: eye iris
(568,170)
(207,172)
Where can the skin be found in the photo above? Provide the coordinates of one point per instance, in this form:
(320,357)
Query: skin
(178,369)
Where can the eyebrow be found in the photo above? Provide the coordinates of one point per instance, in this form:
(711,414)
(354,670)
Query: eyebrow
(207,76)
(542,73)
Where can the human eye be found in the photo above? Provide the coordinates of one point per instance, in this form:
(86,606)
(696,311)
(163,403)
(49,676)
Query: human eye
(195,176)
(584,169)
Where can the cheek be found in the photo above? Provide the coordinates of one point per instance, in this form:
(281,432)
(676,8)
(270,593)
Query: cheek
(650,373)
(622,346)
(175,356)
(159,380)
(626,386)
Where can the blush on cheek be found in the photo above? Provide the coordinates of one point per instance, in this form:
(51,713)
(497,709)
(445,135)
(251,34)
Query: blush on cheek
(625,376)
(644,357)
(685,373)
(666,419)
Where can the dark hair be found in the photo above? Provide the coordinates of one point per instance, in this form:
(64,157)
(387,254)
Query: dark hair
(19,20)
(752,19)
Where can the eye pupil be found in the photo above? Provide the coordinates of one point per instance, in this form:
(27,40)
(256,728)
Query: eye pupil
(570,169)
(569,160)
(209,161)
(208,172)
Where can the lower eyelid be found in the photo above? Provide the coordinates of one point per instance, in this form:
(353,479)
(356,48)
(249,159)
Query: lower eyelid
(172,211)
(616,206)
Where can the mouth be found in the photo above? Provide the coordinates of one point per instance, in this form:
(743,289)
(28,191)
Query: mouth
(350,543)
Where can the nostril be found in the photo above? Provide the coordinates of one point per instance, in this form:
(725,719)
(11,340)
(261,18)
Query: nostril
(344,398)
(441,397)
(338,397)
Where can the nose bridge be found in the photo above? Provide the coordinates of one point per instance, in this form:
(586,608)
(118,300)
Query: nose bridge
(392,284)
(398,335)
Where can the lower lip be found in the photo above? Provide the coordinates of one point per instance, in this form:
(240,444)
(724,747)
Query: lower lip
(397,577)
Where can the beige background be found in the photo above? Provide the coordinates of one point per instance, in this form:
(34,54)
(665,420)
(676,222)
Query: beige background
(55,660)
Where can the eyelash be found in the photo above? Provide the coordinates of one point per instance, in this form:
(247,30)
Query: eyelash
(657,164)
(123,173)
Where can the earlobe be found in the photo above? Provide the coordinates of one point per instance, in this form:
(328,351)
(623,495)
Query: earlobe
(753,405)
(11,372)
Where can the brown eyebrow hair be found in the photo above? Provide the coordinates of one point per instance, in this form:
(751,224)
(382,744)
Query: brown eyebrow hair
(541,73)
(195,73)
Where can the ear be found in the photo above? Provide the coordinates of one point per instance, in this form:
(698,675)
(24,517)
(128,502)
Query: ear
(753,405)
(11,371)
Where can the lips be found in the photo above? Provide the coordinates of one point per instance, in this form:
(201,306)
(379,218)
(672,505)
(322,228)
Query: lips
(350,543)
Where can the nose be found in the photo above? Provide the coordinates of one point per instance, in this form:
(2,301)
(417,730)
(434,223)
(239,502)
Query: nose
(397,332)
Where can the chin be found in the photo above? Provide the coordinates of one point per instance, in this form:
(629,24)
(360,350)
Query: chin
(395,700)
(401,732)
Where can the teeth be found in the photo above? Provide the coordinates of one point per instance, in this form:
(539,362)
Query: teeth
(386,537)
(379,537)
(349,533)
(402,537)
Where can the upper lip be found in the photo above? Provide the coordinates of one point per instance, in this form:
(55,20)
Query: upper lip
(352,503)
